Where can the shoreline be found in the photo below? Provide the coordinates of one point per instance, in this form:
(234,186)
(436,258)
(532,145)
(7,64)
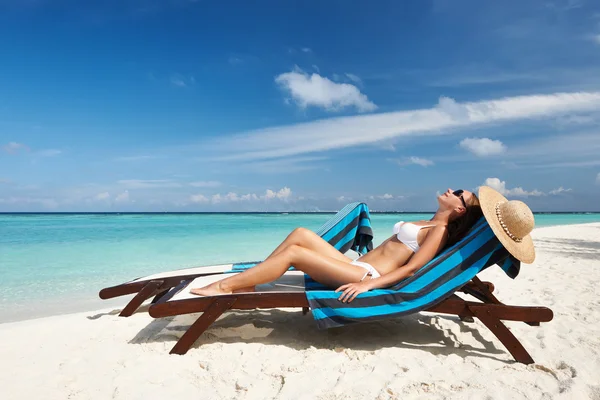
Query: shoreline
(97,304)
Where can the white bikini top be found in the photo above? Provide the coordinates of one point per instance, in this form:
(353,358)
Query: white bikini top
(407,233)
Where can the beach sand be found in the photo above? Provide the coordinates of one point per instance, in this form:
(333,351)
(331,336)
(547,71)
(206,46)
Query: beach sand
(281,354)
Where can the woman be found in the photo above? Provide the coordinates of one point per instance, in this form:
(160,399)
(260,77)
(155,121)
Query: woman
(412,246)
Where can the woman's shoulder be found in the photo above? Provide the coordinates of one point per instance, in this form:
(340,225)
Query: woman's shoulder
(438,230)
(433,225)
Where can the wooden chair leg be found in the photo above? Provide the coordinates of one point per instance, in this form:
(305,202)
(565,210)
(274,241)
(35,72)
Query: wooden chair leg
(147,291)
(213,311)
(503,334)
(305,310)
(483,291)
(159,296)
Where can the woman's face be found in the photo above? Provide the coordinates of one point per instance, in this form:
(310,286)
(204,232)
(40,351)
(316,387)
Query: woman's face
(453,199)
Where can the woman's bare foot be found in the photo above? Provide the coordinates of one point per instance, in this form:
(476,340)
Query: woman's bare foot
(215,289)
(211,290)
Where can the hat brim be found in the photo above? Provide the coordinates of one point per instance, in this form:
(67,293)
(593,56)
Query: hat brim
(523,250)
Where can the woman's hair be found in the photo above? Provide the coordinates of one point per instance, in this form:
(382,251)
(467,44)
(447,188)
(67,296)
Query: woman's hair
(459,227)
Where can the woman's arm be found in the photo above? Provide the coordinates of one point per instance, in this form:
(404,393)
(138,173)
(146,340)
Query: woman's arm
(434,242)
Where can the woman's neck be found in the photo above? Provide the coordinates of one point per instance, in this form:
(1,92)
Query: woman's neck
(441,217)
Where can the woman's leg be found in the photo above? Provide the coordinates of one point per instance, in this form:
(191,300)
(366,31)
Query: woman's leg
(307,238)
(326,270)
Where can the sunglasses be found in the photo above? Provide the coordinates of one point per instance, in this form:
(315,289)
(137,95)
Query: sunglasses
(459,193)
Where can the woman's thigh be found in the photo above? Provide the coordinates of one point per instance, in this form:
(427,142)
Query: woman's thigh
(326,270)
(316,243)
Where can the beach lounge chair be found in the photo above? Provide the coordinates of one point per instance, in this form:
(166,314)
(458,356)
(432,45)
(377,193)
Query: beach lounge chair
(348,229)
(432,288)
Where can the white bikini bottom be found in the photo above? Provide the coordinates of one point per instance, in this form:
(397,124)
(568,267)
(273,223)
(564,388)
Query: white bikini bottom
(372,272)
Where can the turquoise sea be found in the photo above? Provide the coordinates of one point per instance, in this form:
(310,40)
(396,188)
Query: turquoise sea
(57,263)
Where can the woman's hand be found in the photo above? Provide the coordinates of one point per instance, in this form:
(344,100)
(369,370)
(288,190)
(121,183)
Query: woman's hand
(351,290)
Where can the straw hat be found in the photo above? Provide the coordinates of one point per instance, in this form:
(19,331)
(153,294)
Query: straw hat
(511,221)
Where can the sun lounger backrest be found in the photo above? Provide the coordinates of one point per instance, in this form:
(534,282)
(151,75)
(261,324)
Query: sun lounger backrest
(430,285)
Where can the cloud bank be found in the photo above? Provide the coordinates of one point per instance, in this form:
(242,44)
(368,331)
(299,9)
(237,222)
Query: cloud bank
(500,186)
(284,194)
(344,132)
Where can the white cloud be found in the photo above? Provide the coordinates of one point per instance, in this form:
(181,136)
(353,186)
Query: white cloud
(500,187)
(249,197)
(177,81)
(559,191)
(233,60)
(3,180)
(205,184)
(385,196)
(231,196)
(49,153)
(286,165)
(342,199)
(520,192)
(423,162)
(571,147)
(199,198)
(123,197)
(102,196)
(182,81)
(483,147)
(477,76)
(354,78)
(343,132)
(386,146)
(148,183)
(570,150)
(283,194)
(306,50)
(596,38)
(598,178)
(315,90)
(14,147)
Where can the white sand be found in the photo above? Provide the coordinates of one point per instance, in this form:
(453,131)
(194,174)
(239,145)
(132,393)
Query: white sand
(281,354)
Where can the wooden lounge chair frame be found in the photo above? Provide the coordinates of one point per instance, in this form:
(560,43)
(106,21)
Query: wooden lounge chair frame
(489,310)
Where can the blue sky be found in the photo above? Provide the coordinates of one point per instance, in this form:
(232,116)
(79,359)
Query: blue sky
(180,105)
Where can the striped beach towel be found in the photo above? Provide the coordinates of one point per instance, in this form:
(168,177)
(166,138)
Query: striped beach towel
(349,229)
(431,284)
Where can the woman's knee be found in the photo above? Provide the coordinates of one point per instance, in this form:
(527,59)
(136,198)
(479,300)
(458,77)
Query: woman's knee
(301,235)
(293,251)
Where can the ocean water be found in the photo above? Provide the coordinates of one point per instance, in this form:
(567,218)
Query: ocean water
(57,263)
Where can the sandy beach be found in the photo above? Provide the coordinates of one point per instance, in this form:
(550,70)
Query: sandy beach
(281,354)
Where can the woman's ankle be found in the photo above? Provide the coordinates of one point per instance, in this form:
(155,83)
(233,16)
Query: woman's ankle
(224,287)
